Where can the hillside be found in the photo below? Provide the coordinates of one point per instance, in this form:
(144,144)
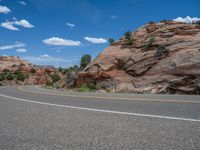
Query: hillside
(158,58)
(16,71)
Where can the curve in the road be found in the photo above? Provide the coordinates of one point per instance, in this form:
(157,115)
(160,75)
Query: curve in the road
(114,98)
(99,110)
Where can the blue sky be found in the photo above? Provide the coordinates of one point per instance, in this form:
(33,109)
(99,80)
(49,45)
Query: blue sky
(59,32)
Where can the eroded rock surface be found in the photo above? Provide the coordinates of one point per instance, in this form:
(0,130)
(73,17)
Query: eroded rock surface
(163,58)
(36,75)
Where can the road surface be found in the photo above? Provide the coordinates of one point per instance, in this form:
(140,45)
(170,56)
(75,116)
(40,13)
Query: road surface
(37,119)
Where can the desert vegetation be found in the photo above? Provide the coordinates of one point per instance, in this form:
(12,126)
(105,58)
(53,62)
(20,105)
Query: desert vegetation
(149,44)
(8,75)
(85,60)
(111,41)
(128,38)
(161,51)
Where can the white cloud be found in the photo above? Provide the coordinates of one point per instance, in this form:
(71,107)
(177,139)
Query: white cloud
(4,9)
(95,40)
(22,3)
(21,50)
(187,19)
(45,56)
(12,46)
(61,42)
(10,24)
(70,25)
(24,23)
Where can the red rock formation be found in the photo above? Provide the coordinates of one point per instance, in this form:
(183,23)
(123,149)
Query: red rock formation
(163,58)
(36,75)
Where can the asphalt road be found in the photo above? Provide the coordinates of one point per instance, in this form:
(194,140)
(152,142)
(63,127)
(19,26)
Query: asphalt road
(37,119)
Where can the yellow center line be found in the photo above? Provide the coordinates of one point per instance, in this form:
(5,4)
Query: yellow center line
(113,98)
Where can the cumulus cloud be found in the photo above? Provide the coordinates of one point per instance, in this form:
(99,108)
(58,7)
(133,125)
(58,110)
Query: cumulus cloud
(70,25)
(61,42)
(24,23)
(11,25)
(22,3)
(4,9)
(21,50)
(187,19)
(95,40)
(12,46)
(45,56)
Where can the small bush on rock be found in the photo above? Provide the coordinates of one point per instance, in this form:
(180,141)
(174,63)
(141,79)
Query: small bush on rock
(6,70)
(161,51)
(128,38)
(2,77)
(151,22)
(111,41)
(9,76)
(48,84)
(85,88)
(55,77)
(33,70)
(20,76)
(85,60)
(151,40)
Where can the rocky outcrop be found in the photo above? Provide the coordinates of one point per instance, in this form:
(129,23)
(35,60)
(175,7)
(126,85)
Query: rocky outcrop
(36,75)
(162,58)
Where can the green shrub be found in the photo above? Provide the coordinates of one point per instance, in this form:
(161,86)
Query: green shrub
(2,76)
(6,70)
(151,22)
(55,77)
(111,41)
(20,76)
(33,70)
(165,21)
(92,86)
(14,65)
(128,38)
(48,84)
(85,60)
(197,23)
(9,76)
(85,88)
(160,51)
(151,40)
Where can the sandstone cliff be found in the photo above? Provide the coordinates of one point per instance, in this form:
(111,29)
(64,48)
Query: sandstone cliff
(162,58)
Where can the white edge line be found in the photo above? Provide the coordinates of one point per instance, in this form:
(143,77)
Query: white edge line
(101,110)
